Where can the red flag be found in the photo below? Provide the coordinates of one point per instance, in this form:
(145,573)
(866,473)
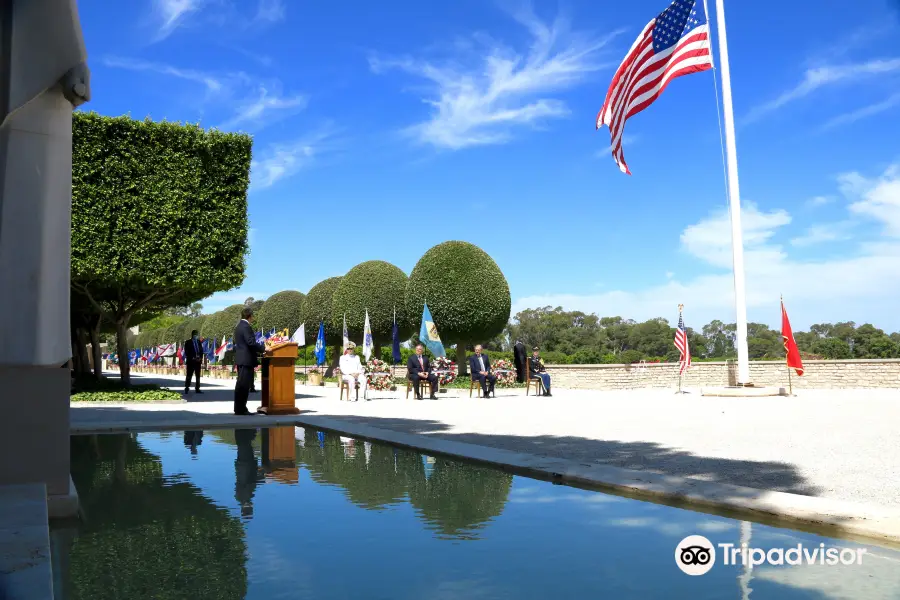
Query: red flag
(180,355)
(790,346)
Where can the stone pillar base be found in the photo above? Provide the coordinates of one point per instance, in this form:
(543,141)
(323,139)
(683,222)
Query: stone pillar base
(34,427)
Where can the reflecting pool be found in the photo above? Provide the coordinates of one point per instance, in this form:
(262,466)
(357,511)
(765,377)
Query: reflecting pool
(298,513)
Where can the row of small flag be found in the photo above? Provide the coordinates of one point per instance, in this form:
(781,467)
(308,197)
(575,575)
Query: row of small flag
(212,348)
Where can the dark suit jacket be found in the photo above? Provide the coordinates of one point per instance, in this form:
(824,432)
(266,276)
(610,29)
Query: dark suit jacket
(189,353)
(475,368)
(246,350)
(413,369)
(534,366)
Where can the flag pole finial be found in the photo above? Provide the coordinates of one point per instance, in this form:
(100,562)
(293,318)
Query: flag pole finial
(681,308)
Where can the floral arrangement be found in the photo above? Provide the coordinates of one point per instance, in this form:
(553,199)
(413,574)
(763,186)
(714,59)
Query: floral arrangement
(379,375)
(337,372)
(507,379)
(442,363)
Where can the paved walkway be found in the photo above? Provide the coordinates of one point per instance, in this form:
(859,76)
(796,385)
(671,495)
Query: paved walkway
(837,444)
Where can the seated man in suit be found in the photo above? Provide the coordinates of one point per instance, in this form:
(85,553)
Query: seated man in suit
(193,358)
(352,370)
(246,357)
(536,370)
(480,367)
(418,368)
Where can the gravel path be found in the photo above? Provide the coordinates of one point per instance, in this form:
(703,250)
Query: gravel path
(840,444)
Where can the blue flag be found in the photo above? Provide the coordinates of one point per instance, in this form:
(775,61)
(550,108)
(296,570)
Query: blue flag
(395,351)
(320,345)
(428,334)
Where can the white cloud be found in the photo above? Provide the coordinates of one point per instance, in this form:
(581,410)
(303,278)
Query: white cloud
(212,82)
(877,198)
(266,108)
(819,77)
(270,11)
(484,104)
(172,14)
(827,232)
(864,112)
(819,201)
(627,140)
(283,160)
(860,285)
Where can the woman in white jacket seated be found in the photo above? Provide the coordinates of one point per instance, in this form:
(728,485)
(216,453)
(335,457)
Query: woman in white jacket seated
(352,370)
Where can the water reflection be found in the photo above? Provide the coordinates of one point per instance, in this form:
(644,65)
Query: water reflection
(247,474)
(404,524)
(192,440)
(144,535)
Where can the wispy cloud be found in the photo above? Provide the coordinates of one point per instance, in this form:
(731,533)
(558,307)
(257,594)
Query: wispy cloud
(267,107)
(172,14)
(868,286)
(283,160)
(212,82)
(819,234)
(270,11)
(819,77)
(483,104)
(627,140)
(819,201)
(862,113)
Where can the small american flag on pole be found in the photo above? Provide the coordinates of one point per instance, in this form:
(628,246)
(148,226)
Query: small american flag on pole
(673,44)
(681,342)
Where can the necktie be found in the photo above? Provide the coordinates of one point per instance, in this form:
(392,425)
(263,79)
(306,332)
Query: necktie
(421,363)
(196,349)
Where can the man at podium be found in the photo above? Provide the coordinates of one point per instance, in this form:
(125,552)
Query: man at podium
(246,357)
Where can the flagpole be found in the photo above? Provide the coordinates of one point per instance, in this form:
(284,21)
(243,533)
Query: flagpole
(734,197)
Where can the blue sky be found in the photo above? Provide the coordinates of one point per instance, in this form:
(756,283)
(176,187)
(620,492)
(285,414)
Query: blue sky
(379,132)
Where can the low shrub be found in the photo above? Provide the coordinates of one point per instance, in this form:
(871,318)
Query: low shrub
(91,389)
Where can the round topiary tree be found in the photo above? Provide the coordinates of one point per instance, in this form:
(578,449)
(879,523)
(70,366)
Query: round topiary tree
(281,311)
(317,309)
(197,323)
(171,335)
(380,288)
(222,323)
(183,330)
(467,294)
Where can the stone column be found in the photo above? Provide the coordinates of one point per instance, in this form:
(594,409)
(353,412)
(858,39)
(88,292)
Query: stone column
(43,76)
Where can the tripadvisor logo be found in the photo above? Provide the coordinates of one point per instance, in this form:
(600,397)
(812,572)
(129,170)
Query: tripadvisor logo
(696,555)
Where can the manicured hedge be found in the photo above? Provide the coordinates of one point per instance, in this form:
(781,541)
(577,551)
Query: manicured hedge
(378,287)
(281,311)
(159,215)
(466,292)
(317,308)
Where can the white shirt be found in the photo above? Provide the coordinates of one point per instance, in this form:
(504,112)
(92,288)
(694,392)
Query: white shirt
(481,361)
(350,364)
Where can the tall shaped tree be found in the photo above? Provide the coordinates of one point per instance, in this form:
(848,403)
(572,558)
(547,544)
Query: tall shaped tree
(159,216)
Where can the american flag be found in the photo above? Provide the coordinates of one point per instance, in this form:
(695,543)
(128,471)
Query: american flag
(681,342)
(673,44)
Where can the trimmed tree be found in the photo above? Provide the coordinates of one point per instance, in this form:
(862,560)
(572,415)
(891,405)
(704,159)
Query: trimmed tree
(281,311)
(466,292)
(222,323)
(145,198)
(380,288)
(317,309)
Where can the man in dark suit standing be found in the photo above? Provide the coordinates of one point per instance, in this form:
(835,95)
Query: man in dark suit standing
(193,357)
(480,367)
(520,357)
(246,353)
(418,368)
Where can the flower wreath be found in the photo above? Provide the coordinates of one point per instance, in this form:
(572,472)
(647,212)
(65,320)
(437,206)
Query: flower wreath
(442,363)
(507,379)
(379,374)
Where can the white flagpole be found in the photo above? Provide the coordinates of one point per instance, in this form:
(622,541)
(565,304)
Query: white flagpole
(734,196)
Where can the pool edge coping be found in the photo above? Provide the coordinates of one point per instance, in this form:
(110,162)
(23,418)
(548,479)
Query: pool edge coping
(856,521)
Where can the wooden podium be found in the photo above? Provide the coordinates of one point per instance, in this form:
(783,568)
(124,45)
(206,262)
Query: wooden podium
(278,380)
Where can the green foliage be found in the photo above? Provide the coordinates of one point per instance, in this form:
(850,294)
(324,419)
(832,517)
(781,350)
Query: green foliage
(91,389)
(146,535)
(466,292)
(159,214)
(222,323)
(378,287)
(281,311)
(317,308)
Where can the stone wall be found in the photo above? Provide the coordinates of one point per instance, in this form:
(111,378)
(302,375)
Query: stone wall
(819,374)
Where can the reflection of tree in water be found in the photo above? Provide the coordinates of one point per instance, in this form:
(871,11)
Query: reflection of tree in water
(143,537)
(456,499)
(374,485)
